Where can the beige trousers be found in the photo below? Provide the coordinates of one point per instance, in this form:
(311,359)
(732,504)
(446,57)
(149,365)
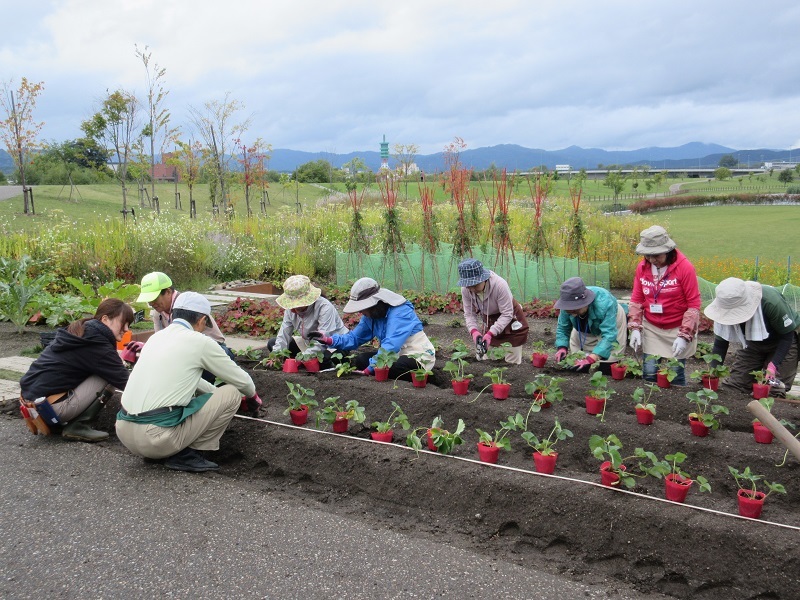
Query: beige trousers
(79,399)
(200,431)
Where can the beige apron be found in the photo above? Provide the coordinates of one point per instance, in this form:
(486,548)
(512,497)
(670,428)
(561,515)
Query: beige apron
(420,344)
(658,342)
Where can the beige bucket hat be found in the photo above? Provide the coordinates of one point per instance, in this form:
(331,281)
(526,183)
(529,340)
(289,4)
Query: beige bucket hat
(654,240)
(298,291)
(366,292)
(735,302)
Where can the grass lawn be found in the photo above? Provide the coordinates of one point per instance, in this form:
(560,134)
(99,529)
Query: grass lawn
(769,232)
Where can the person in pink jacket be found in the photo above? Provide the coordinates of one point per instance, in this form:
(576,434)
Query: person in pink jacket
(664,312)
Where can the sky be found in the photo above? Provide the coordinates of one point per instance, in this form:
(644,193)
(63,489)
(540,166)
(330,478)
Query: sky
(336,76)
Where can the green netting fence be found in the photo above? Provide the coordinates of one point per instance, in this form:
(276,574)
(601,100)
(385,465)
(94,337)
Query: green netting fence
(789,291)
(528,278)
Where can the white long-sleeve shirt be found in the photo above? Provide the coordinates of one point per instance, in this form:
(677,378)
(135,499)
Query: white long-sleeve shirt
(170,367)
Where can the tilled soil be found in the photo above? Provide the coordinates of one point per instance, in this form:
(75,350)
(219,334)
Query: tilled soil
(561,524)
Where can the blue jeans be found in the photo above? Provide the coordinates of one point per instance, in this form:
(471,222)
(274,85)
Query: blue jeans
(650,367)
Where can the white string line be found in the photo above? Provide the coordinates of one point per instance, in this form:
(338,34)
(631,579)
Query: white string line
(525,471)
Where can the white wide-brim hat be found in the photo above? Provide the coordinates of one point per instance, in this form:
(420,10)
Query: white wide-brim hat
(366,292)
(735,302)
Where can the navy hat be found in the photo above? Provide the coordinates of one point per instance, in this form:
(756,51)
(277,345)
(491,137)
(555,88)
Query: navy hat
(471,272)
(574,295)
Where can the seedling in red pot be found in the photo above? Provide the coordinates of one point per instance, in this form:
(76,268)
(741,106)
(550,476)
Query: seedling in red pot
(545,390)
(439,439)
(397,417)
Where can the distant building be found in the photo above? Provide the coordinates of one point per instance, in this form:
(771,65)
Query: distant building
(384,154)
(563,168)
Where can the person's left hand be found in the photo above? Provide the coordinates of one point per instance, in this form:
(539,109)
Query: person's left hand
(487,338)
(320,337)
(583,365)
(368,371)
(772,371)
(679,347)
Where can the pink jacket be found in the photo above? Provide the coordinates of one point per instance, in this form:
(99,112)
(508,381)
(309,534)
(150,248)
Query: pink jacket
(677,293)
(497,299)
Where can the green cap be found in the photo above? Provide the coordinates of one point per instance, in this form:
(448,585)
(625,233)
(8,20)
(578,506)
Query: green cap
(152,284)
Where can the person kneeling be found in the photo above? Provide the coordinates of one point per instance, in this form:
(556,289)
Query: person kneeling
(161,417)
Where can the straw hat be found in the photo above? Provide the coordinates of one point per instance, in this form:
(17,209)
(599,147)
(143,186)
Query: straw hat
(366,293)
(298,291)
(574,295)
(654,240)
(735,302)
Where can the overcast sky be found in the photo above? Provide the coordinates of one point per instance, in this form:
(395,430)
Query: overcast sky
(335,76)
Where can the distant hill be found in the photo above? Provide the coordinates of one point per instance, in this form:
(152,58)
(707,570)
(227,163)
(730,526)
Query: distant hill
(514,157)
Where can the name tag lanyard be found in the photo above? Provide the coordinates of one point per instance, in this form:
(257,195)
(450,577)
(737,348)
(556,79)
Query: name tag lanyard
(654,306)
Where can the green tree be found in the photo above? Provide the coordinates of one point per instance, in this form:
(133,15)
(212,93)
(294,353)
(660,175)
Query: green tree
(315,171)
(3,180)
(729,161)
(786,176)
(113,127)
(615,181)
(405,155)
(722,174)
(19,131)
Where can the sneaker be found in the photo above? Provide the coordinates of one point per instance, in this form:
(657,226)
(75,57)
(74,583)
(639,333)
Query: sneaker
(190,460)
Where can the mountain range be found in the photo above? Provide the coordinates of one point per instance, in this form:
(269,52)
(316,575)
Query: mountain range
(514,157)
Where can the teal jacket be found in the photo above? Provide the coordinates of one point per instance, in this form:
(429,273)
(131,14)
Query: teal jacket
(602,322)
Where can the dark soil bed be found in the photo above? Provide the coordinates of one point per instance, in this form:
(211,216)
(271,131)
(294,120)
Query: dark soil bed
(595,534)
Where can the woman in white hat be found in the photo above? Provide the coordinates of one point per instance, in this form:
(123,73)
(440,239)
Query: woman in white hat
(391,319)
(758,317)
(493,316)
(304,311)
(664,311)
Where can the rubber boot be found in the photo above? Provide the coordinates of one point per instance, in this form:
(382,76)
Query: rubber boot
(78,428)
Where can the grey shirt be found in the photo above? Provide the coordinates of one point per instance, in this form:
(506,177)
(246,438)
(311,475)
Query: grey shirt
(320,316)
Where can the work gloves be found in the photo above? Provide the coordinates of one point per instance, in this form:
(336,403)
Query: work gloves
(772,378)
(368,371)
(320,337)
(131,352)
(481,342)
(561,354)
(251,405)
(679,347)
(583,365)
(635,340)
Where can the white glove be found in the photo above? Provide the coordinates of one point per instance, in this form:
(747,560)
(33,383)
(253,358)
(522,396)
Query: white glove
(635,341)
(679,347)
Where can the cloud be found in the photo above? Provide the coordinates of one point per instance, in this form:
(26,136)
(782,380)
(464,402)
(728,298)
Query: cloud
(339,74)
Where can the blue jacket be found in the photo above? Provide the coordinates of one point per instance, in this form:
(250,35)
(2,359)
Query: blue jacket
(400,323)
(602,322)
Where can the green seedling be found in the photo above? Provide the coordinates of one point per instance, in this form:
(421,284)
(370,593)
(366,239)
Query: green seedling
(545,446)
(397,417)
(706,408)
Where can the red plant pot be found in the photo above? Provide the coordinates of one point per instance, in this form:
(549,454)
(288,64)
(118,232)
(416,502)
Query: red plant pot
(419,382)
(607,477)
(545,463)
(488,453)
(385,437)
(341,423)
(760,390)
(594,406)
(710,383)
(644,416)
(290,365)
(750,505)
(538,360)
(461,388)
(381,373)
(312,365)
(539,398)
(698,428)
(618,371)
(299,417)
(431,446)
(662,381)
(500,391)
(676,487)
(762,434)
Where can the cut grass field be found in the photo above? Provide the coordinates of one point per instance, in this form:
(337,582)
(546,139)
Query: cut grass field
(769,232)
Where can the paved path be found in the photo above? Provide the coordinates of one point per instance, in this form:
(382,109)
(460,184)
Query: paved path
(86,521)
(10,191)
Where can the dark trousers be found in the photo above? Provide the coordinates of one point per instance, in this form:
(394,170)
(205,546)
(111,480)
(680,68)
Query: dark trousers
(755,358)
(401,369)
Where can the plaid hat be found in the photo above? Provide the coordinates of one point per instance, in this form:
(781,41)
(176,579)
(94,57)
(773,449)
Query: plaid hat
(654,240)
(194,302)
(297,292)
(366,293)
(735,302)
(471,272)
(574,295)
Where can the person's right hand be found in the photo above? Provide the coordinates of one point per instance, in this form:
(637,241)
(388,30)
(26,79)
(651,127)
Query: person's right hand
(635,340)
(476,335)
(561,353)
(368,371)
(320,337)
(134,346)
